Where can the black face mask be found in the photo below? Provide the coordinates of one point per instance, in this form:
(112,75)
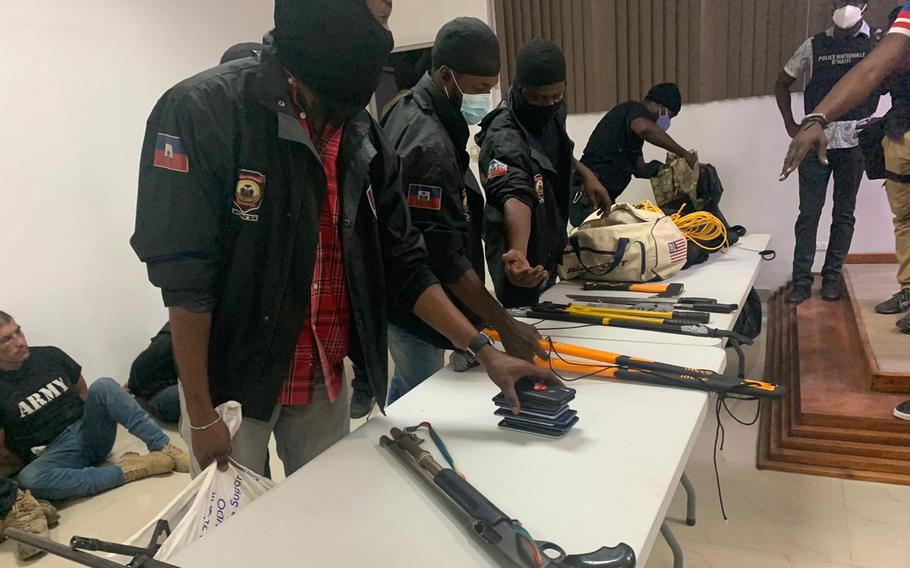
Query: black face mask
(335,47)
(534,118)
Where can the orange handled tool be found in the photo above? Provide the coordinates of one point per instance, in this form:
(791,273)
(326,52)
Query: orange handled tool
(614,365)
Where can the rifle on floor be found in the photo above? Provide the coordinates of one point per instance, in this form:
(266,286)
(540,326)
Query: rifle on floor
(503,537)
(75,552)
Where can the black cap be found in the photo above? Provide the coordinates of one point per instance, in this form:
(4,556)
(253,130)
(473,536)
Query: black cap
(540,62)
(667,95)
(467,45)
(240,51)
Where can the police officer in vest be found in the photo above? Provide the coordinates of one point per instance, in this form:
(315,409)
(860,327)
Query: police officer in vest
(825,58)
(429,130)
(527,167)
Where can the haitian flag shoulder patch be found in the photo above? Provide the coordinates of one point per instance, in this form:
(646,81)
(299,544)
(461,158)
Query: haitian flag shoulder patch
(170,154)
(496,169)
(425,197)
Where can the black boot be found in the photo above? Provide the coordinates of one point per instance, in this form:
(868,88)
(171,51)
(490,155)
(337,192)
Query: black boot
(799,294)
(832,289)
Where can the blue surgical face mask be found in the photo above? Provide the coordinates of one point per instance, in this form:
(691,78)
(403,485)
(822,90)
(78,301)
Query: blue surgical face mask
(663,121)
(474,107)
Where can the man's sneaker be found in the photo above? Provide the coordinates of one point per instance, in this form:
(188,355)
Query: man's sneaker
(903,324)
(361,403)
(902,410)
(799,294)
(136,467)
(832,289)
(27,515)
(897,304)
(180,457)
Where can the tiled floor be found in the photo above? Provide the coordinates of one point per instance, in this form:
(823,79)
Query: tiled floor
(776,520)
(782,520)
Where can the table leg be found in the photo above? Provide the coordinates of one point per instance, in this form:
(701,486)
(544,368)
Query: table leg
(690,499)
(673,543)
(741,356)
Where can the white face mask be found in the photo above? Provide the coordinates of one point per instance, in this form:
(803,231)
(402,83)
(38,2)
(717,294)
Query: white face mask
(474,107)
(847,17)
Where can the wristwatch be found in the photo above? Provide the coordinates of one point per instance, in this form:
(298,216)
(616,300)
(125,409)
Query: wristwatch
(478,343)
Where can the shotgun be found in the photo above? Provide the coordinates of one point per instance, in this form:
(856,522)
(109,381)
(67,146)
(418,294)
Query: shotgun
(501,536)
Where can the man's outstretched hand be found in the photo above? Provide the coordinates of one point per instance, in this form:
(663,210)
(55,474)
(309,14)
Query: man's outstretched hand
(810,137)
(505,370)
(520,272)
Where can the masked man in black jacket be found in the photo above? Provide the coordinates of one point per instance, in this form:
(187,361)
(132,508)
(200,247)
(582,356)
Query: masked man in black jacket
(527,166)
(429,129)
(271,216)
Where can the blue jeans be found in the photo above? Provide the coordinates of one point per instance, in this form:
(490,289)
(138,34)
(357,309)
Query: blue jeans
(415,361)
(67,468)
(165,405)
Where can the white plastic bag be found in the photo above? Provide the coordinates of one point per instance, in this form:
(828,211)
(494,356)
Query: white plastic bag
(208,501)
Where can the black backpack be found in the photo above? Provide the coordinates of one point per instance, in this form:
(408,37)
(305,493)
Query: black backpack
(750,318)
(709,192)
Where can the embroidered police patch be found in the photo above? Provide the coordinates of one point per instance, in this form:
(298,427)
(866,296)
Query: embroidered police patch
(248,195)
(538,187)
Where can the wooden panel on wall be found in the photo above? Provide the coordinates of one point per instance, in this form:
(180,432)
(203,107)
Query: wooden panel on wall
(714,49)
(622,50)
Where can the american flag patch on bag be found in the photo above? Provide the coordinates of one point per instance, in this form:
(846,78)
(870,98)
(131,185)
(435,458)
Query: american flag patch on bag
(679,250)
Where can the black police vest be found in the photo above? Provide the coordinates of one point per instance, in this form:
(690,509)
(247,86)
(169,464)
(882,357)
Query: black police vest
(831,60)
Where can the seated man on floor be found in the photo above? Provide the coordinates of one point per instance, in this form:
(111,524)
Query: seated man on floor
(153,378)
(61,431)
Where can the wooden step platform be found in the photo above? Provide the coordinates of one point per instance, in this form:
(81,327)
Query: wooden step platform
(886,350)
(831,423)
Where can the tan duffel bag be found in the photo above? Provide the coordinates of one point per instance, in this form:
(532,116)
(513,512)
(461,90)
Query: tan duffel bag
(628,245)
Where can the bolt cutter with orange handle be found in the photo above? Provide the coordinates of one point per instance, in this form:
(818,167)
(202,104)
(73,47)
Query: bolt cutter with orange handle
(617,366)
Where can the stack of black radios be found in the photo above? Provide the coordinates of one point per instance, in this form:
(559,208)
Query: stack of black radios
(544,409)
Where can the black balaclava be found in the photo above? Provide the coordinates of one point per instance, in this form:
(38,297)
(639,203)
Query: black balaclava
(335,47)
(540,62)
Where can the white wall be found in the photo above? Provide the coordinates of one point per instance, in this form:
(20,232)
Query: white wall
(415,22)
(745,140)
(79,81)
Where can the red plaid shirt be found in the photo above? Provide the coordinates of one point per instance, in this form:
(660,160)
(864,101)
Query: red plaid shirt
(324,338)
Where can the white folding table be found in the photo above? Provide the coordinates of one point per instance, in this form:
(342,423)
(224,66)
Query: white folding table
(610,480)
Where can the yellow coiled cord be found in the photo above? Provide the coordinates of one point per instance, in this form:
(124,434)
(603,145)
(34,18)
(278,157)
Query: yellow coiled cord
(699,227)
